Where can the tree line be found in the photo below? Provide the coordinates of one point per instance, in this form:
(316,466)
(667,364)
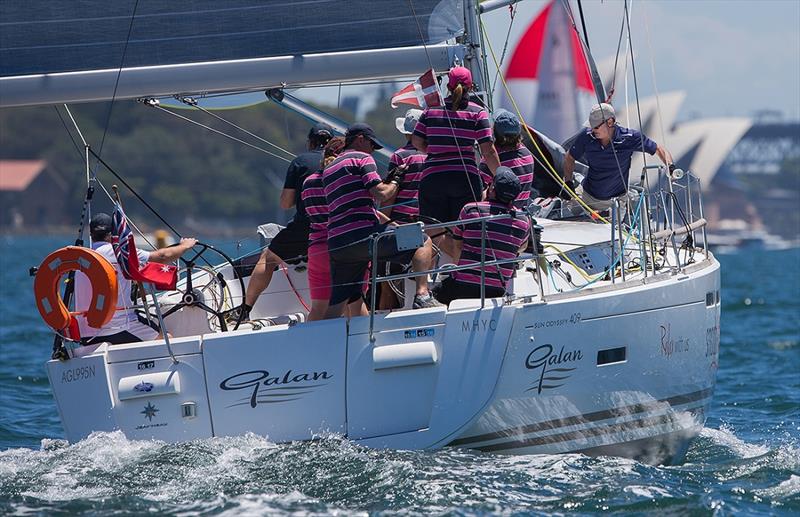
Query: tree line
(184,171)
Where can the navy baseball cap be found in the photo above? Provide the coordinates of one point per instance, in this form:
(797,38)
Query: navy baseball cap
(506,185)
(506,123)
(101,222)
(359,128)
(320,129)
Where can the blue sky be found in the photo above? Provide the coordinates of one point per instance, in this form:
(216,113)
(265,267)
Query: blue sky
(732,57)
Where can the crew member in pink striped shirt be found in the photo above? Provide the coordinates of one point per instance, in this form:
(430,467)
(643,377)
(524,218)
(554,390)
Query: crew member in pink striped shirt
(513,154)
(447,135)
(319,262)
(352,186)
(505,238)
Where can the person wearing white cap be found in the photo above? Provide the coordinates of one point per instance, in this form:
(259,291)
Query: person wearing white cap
(607,148)
(405,167)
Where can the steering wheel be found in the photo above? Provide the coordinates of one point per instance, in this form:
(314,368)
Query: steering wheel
(194,296)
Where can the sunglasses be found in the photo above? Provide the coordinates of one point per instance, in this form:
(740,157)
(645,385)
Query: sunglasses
(600,124)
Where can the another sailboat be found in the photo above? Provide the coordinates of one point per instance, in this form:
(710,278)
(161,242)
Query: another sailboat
(605,343)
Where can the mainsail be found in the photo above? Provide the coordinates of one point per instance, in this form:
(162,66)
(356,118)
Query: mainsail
(53,51)
(548,75)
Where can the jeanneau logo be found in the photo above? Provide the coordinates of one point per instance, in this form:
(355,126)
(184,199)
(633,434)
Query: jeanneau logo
(551,368)
(144,387)
(266,389)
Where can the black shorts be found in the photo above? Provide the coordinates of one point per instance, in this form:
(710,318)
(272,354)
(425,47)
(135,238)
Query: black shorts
(443,195)
(451,289)
(349,263)
(291,243)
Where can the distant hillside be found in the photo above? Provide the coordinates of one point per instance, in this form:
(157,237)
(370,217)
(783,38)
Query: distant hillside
(184,171)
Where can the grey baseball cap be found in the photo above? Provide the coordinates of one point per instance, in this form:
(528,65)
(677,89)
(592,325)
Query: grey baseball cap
(600,113)
(407,124)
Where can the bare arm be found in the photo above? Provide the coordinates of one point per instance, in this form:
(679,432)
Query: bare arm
(664,155)
(420,143)
(569,167)
(287,198)
(383,191)
(490,156)
(172,253)
(388,202)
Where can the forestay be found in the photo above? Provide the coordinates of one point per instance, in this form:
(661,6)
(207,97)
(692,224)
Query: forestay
(53,51)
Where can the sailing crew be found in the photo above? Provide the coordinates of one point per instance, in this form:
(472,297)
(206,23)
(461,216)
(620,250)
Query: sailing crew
(406,165)
(319,267)
(352,186)
(403,206)
(607,148)
(290,245)
(505,239)
(127,325)
(512,153)
(447,135)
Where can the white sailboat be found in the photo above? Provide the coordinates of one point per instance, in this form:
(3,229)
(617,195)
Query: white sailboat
(605,343)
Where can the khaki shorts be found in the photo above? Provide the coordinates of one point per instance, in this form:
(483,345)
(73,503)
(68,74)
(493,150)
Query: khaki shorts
(602,204)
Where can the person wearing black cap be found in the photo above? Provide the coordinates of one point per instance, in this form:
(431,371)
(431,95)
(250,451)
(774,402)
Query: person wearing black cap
(126,326)
(352,187)
(290,244)
(505,238)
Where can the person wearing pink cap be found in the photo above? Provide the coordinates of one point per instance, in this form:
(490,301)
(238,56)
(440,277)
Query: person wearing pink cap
(451,178)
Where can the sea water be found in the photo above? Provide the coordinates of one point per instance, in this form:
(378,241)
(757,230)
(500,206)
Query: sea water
(745,461)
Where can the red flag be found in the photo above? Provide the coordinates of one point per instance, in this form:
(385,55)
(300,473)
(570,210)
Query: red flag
(162,276)
(424,93)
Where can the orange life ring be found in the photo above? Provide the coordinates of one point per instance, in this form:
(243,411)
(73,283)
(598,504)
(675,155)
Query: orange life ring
(98,270)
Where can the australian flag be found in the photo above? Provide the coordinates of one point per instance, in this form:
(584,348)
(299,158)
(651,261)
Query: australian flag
(162,276)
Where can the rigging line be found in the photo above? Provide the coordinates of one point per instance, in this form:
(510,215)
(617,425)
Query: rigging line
(447,115)
(193,103)
(213,130)
(449,120)
(635,81)
(66,128)
(513,10)
(597,93)
(616,60)
(136,194)
(653,72)
(77,128)
(114,201)
(116,81)
(583,25)
(548,167)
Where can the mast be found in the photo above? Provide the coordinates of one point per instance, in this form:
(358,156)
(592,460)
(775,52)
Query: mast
(474,58)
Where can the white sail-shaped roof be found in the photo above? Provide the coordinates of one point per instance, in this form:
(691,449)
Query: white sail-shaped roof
(53,51)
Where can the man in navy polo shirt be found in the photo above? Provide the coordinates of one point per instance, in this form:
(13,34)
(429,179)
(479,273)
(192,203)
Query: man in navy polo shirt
(607,148)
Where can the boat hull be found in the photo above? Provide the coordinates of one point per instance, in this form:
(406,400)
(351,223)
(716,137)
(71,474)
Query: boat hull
(627,372)
(625,369)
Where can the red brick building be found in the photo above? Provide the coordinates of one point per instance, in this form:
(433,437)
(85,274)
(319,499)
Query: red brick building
(32,194)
